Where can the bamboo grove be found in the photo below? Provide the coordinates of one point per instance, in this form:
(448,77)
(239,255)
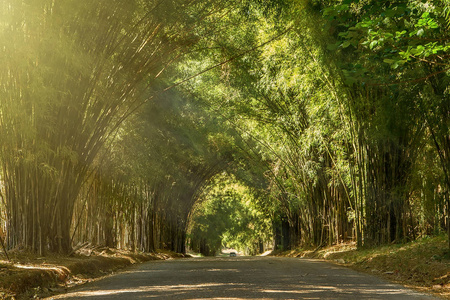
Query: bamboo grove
(118,119)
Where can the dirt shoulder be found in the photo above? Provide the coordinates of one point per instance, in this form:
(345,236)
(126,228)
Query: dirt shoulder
(423,264)
(29,276)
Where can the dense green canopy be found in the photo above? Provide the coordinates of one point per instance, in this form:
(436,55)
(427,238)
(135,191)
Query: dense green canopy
(157,124)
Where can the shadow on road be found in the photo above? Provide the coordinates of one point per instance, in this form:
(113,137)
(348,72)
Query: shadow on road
(242,278)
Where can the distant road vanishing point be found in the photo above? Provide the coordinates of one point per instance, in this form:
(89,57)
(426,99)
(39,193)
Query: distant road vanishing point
(241,278)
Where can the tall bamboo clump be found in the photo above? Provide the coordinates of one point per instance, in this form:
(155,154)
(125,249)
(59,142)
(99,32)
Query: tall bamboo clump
(71,72)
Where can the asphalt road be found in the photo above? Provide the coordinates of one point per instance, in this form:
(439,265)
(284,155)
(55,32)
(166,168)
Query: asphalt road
(241,278)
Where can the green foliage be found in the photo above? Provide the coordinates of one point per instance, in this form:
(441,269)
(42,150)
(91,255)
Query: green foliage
(226,216)
(401,34)
(331,116)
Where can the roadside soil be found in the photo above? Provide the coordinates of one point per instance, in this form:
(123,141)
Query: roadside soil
(27,276)
(423,265)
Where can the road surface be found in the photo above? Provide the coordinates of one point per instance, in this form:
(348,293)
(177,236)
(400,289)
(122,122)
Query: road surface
(241,278)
